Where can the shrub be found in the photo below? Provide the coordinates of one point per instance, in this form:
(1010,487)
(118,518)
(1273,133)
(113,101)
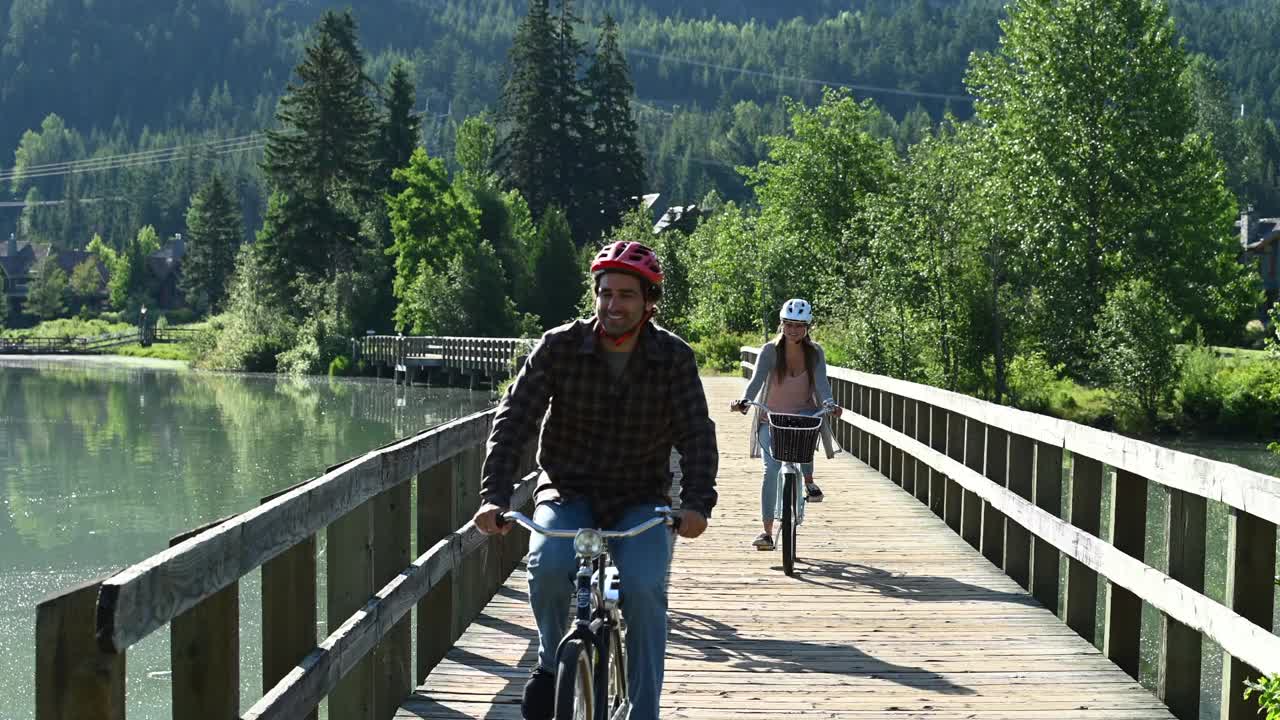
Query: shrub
(1255,334)
(1136,342)
(721,353)
(1199,390)
(1251,399)
(1033,382)
(180,316)
(340,366)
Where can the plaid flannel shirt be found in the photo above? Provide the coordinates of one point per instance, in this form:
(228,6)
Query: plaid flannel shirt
(606,440)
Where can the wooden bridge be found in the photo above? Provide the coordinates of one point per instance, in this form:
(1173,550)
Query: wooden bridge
(478,359)
(970,561)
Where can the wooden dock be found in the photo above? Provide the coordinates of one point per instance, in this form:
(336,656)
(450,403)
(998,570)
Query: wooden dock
(890,615)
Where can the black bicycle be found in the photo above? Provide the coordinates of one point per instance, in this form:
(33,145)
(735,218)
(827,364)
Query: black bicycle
(792,440)
(591,659)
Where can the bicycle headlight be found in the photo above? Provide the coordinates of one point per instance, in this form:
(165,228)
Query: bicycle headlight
(588,543)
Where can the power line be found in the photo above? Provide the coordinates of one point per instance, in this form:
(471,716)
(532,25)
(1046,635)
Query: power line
(136,159)
(804,80)
(136,153)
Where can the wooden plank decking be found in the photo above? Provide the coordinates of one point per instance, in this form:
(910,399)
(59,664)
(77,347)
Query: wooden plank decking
(890,615)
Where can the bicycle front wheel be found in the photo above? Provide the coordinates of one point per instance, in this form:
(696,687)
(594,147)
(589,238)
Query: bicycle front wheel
(573,683)
(789,521)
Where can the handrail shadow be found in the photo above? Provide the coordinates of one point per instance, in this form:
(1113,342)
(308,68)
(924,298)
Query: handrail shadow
(840,575)
(700,637)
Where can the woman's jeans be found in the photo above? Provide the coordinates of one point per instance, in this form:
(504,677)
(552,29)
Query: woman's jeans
(643,562)
(771,485)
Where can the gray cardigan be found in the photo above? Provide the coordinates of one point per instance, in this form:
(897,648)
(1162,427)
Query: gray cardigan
(759,385)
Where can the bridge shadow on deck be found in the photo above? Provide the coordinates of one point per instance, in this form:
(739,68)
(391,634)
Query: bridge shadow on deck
(840,575)
(513,677)
(698,637)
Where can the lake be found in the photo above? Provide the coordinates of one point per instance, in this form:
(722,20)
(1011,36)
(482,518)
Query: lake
(102,461)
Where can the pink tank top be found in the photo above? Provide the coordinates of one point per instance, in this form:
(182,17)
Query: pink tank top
(791,394)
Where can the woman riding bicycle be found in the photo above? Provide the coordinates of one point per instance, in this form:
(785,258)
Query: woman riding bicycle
(790,377)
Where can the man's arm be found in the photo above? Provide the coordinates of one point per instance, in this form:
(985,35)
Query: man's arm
(694,437)
(514,425)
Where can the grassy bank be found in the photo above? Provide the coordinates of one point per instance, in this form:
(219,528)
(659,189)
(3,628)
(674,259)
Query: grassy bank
(158,351)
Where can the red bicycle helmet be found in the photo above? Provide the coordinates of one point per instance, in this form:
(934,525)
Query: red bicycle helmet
(629,257)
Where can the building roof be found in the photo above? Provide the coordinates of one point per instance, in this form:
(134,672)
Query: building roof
(678,218)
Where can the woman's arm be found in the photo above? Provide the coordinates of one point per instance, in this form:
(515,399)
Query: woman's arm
(764,366)
(821,386)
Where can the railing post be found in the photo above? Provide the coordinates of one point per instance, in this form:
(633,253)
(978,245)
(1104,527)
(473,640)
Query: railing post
(1127,528)
(75,679)
(1178,671)
(953,504)
(897,407)
(908,428)
(868,411)
(855,437)
(392,658)
(435,521)
(1047,491)
(1019,469)
(349,548)
(288,609)
(975,446)
(938,441)
(204,653)
(1084,512)
(996,459)
(1250,590)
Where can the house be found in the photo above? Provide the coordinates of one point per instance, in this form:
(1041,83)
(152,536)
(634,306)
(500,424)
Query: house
(18,262)
(684,218)
(165,265)
(1260,243)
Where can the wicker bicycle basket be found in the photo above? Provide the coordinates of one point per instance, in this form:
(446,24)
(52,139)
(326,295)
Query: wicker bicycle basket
(793,437)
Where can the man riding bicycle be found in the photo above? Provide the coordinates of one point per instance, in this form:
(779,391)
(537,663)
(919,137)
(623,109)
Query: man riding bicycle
(622,393)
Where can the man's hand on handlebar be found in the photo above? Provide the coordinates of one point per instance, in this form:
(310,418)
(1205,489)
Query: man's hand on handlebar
(487,519)
(692,523)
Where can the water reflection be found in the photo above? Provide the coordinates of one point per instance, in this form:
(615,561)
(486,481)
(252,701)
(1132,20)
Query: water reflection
(100,465)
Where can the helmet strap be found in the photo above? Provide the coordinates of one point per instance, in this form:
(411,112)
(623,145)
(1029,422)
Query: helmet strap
(617,341)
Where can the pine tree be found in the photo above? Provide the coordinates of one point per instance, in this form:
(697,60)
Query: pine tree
(557,277)
(526,156)
(614,154)
(398,129)
(319,163)
(572,141)
(214,229)
(341,27)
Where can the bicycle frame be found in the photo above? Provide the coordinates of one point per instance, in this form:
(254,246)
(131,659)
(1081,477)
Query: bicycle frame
(597,593)
(791,498)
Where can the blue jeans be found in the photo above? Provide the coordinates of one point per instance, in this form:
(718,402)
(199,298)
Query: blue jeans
(771,485)
(643,561)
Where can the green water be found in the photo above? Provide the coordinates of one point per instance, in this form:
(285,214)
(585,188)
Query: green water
(101,463)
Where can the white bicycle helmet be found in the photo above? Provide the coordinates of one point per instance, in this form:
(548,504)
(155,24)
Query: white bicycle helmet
(797,310)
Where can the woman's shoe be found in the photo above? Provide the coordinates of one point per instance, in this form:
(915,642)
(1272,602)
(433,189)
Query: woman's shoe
(763,542)
(813,493)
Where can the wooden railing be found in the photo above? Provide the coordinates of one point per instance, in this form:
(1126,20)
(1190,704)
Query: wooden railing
(1027,489)
(89,345)
(364,666)
(495,357)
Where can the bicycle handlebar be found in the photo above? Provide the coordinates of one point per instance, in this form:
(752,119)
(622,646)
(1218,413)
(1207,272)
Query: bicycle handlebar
(665,516)
(827,408)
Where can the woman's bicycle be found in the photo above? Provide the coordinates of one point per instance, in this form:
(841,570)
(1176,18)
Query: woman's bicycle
(792,440)
(591,659)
